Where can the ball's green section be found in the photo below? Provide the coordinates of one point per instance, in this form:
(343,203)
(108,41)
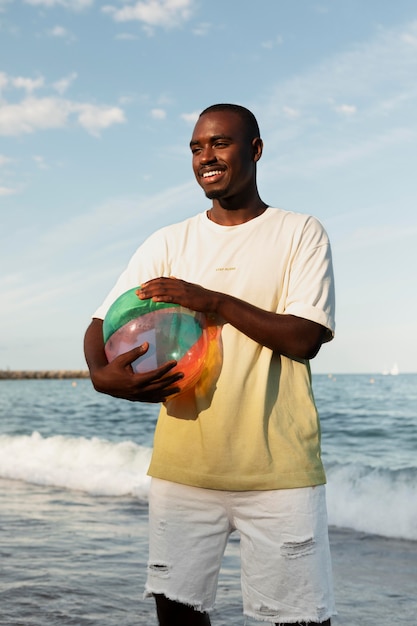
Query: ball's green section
(126,308)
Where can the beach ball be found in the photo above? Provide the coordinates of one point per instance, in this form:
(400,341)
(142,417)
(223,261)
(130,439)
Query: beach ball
(173,332)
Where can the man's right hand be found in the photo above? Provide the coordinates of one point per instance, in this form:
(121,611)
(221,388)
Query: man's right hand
(118,379)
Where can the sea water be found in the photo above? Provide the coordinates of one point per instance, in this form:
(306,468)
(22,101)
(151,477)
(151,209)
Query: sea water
(62,433)
(74,491)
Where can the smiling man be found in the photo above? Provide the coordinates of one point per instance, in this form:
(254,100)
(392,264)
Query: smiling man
(241,450)
(224,160)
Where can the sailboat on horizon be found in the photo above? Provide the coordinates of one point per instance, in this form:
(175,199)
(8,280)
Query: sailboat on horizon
(394,371)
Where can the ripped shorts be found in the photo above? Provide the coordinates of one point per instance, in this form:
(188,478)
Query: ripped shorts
(285,557)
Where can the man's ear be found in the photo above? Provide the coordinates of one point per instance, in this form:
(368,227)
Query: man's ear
(257,145)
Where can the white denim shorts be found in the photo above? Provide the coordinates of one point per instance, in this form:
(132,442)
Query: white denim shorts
(285,558)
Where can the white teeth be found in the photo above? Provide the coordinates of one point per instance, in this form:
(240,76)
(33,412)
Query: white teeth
(213,173)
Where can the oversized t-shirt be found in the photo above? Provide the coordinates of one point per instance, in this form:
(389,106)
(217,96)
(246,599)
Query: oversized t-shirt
(252,423)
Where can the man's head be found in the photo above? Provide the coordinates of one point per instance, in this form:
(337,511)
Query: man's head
(226,147)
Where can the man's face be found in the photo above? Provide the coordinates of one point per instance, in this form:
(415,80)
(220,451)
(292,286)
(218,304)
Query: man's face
(223,155)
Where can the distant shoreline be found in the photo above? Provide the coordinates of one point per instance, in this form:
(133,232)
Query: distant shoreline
(42,374)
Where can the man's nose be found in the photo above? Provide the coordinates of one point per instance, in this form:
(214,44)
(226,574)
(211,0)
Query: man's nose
(207,155)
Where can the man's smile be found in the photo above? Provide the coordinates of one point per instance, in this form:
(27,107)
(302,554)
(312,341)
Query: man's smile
(212,173)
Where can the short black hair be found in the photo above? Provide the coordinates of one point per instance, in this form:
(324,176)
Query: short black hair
(245,115)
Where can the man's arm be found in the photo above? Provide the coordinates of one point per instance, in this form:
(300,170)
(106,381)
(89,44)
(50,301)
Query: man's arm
(292,336)
(118,379)
(289,335)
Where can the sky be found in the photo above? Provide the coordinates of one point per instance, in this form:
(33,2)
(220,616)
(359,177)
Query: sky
(97,106)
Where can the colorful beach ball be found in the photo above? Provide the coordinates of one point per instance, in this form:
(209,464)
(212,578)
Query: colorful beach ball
(172,331)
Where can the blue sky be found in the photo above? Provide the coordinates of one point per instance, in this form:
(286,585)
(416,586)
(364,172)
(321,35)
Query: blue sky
(97,105)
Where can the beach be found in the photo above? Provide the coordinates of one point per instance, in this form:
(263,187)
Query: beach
(68,558)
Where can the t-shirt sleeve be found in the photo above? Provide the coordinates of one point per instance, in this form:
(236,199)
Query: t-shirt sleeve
(149,261)
(311,283)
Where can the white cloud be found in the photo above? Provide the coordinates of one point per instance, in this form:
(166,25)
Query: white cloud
(386,64)
(273,43)
(60,32)
(334,156)
(126,37)
(96,118)
(124,100)
(158,114)
(4,160)
(34,114)
(202,30)
(20,82)
(376,78)
(165,13)
(409,39)
(63,84)
(290,113)
(28,84)
(346,109)
(40,162)
(119,215)
(7,191)
(190,118)
(67,4)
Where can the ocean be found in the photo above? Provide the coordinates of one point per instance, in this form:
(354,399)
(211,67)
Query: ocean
(73,503)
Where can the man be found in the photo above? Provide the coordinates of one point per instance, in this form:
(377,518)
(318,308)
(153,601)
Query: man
(243,451)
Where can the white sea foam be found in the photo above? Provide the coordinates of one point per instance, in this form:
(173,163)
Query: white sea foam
(96,466)
(378,501)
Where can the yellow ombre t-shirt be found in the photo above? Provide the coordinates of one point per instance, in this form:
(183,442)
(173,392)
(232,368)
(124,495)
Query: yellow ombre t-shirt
(252,423)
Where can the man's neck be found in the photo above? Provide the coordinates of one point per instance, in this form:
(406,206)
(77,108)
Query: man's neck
(227,215)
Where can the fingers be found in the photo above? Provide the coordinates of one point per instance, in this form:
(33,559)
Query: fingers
(161,289)
(128,357)
(156,395)
(149,388)
(159,376)
(162,280)
(154,386)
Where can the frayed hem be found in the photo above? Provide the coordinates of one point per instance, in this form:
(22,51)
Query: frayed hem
(282,619)
(150,593)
